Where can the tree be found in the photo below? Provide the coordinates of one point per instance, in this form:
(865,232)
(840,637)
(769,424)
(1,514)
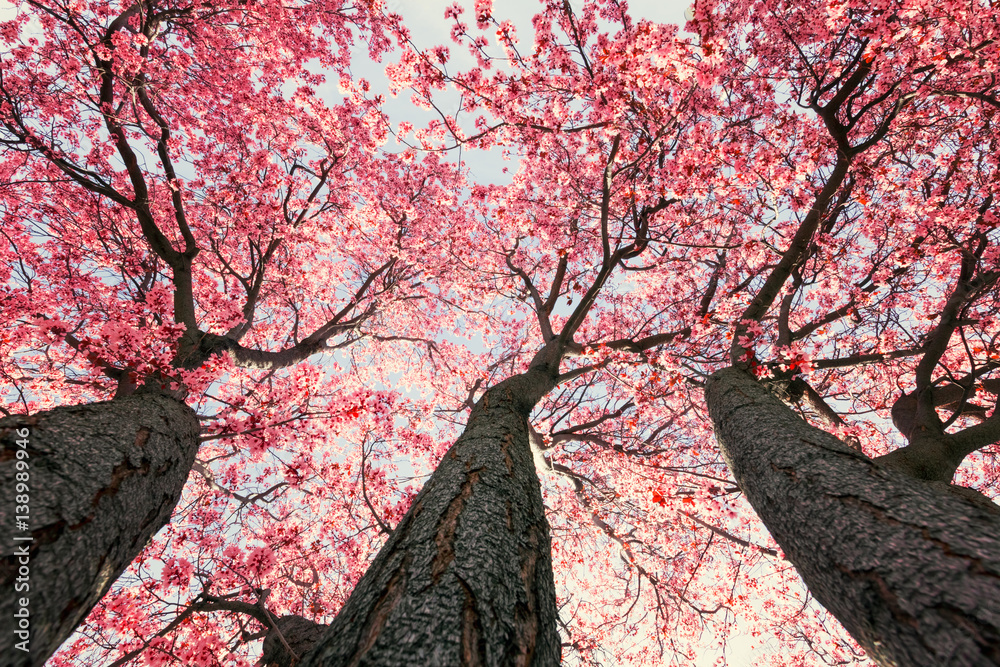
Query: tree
(906,561)
(466,575)
(179,227)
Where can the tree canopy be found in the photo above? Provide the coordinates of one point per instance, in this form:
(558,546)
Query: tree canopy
(204,199)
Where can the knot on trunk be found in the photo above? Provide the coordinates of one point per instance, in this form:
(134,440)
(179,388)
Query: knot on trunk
(299,634)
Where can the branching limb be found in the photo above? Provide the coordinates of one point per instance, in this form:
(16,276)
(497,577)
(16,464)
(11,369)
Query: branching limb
(797,249)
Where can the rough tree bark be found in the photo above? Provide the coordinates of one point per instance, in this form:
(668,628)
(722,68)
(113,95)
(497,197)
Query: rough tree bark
(911,568)
(466,577)
(101,480)
(291,637)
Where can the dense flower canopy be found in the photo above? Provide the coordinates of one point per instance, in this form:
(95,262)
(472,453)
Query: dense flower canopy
(207,197)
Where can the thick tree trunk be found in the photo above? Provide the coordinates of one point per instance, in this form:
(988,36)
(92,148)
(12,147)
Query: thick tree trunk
(910,568)
(466,577)
(100,480)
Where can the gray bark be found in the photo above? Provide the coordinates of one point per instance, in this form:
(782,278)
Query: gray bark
(466,577)
(102,478)
(910,568)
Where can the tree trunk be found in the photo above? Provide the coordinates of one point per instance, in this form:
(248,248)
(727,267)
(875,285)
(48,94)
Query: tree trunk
(911,568)
(100,480)
(466,577)
(291,637)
